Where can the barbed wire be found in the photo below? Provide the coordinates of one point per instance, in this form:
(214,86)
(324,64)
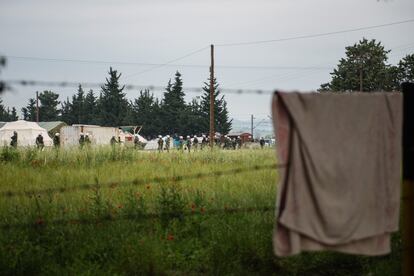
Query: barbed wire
(137,181)
(129,86)
(40,222)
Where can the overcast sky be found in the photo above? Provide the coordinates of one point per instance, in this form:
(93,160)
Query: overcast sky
(157,31)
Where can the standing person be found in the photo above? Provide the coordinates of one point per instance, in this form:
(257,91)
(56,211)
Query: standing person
(13,142)
(113,141)
(136,141)
(81,140)
(39,142)
(181,143)
(160,143)
(167,143)
(239,142)
(87,140)
(262,142)
(188,143)
(56,140)
(203,141)
(195,142)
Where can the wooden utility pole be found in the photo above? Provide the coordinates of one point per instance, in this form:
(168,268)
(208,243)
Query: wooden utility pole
(37,107)
(252,118)
(212,132)
(408,180)
(360,78)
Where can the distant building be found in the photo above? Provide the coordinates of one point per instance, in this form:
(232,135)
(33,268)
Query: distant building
(244,136)
(52,127)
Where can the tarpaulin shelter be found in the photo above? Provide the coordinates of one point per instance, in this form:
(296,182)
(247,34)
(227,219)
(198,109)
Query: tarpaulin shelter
(26,133)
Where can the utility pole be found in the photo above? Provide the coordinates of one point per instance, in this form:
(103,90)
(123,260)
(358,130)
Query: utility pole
(37,107)
(212,98)
(252,118)
(360,77)
(407,200)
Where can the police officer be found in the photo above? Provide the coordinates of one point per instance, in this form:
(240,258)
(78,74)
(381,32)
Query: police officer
(262,142)
(13,142)
(39,141)
(82,140)
(113,141)
(160,143)
(181,143)
(167,143)
(204,142)
(87,140)
(56,140)
(195,142)
(239,142)
(188,144)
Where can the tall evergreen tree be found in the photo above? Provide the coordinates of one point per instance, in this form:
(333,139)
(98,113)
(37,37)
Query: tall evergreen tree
(90,110)
(173,108)
(78,109)
(66,112)
(222,123)
(29,112)
(48,109)
(112,104)
(146,112)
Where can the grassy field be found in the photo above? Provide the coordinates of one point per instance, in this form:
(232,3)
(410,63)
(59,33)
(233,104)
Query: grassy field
(121,224)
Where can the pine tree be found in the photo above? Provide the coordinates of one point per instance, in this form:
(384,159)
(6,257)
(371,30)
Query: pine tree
(406,69)
(29,112)
(222,123)
(173,107)
(66,112)
(13,115)
(146,112)
(48,109)
(90,110)
(112,104)
(78,109)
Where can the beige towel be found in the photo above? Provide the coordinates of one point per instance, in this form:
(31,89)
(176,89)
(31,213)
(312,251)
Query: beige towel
(341,188)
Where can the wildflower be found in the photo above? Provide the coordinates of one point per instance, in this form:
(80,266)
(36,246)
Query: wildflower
(170,237)
(40,221)
(148,187)
(120,206)
(137,194)
(202,209)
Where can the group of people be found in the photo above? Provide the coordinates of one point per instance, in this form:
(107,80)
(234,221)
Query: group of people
(194,143)
(40,143)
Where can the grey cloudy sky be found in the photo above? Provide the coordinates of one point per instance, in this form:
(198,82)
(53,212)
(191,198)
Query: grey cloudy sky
(156,31)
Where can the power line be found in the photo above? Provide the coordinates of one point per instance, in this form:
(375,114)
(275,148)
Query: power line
(171,61)
(313,35)
(259,67)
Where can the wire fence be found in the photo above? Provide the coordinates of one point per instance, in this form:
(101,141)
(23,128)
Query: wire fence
(8,85)
(39,222)
(141,181)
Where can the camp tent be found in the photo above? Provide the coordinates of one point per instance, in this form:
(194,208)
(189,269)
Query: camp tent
(26,133)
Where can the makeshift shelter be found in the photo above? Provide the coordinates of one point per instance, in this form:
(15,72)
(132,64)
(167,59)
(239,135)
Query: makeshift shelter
(26,133)
(52,127)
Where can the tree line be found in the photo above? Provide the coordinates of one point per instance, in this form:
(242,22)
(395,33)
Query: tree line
(169,115)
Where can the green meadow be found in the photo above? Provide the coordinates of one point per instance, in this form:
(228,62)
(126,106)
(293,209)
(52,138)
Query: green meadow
(105,211)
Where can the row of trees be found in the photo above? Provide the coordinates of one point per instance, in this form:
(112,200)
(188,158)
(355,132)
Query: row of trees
(169,115)
(365,68)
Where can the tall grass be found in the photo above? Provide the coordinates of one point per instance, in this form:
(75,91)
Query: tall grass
(184,238)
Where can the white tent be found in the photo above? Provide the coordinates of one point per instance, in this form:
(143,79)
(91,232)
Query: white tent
(153,144)
(26,133)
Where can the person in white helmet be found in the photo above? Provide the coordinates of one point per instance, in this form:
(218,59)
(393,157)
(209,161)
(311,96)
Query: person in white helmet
(181,143)
(167,143)
(195,142)
(188,143)
(204,141)
(160,143)
(262,142)
(81,140)
(56,140)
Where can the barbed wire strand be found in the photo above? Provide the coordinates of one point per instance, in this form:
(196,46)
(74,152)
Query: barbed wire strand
(40,223)
(130,86)
(137,181)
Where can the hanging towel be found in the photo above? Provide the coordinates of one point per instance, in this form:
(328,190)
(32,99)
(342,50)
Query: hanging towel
(340,190)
